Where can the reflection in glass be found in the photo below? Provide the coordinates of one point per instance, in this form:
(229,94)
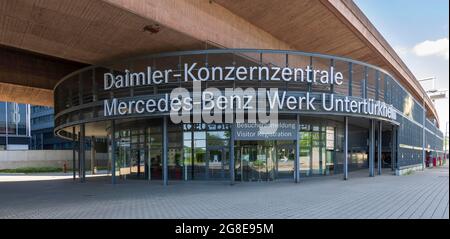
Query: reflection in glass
(255,161)
(318,151)
(285,162)
(2,117)
(206,151)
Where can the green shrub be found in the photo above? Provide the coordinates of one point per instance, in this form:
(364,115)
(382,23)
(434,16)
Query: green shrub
(33,170)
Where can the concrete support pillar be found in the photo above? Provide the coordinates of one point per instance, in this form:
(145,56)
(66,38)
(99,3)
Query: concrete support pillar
(113,151)
(372,148)
(345,147)
(93,160)
(380,146)
(297,151)
(232,176)
(82,153)
(164,152)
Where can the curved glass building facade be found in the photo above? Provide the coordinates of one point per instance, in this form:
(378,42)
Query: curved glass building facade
(335,115)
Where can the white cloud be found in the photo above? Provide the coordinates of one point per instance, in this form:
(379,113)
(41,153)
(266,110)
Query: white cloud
(401,50)
(432,48)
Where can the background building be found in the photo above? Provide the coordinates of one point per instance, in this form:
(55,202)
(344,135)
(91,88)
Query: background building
(27,139)
(14,126)
(42,124)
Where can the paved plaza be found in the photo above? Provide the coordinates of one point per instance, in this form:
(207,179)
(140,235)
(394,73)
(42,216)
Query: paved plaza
(420,195)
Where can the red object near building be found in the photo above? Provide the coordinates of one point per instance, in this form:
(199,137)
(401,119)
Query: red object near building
(434,161)
(178,173)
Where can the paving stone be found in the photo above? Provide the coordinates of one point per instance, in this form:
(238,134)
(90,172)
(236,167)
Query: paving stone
(420,195)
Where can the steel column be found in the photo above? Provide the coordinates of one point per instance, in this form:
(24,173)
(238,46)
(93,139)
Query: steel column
(93,155)
(79,154)
(82,153)
(445,143)
(147,154)
(320,151)
(73,153)
(113,151)
(372,148)
(6,125)
(423,135)
(345,147)
(165,142)
(380,146)
(393,148)
(297,151)
(232,177)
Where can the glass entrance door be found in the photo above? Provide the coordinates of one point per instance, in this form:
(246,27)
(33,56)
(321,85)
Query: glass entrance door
(246,155)
(255,161)
(265,162)
(137,162)
(285,163)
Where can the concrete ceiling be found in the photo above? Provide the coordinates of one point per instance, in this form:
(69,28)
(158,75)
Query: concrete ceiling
(26,77)
(305,25)
(42,41)
(93,31)
(86,31)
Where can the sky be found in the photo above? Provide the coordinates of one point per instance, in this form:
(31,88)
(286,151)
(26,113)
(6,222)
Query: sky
(418,31)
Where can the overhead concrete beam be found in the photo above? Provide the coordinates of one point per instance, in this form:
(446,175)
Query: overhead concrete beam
(25,94)
(203,20)
(29,78)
